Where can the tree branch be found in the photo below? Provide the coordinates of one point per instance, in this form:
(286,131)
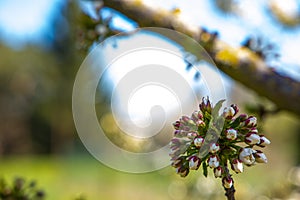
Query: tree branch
(241,64)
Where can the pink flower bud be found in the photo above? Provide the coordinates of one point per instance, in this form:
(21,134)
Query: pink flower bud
(214,147)
(227,182)
(237,166)
(200,123)
(250,122)
(218,172)
(247,157)
(200,116)
(231,134)
(252,138)
(197,115)
(264,141)
(213,161)
(194,162)
(260,157)
(185,118)
(198,141)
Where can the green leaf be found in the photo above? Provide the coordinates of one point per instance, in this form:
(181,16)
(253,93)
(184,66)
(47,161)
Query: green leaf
(204,166)
(217,107)
(235,123)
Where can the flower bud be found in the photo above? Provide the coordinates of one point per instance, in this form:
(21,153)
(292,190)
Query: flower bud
(180,133)
(182,171)
(213,161)
(177,125)
(194,162)
(237,166)
(260,157)
(231,134)
(188,122)
(250,122)
(242,117)
(174,152)
(227,182)
(218,171)
(198,141)
(264,141)
(253,130)
(197,115)
(175,142)
(236,108)
(214,147)
(185,128)
(191,123)
(178,162)
(200,123)
(228,112)
(205,105)
(192,135)
(185,118)
(252,138)
(247,157)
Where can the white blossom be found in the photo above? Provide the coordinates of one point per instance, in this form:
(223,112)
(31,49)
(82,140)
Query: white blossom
(227,182)
(218,171)
(231,134)
(214,148)
(198,141)
(247,157)
(228,112)
(260,157)
(194,162)
(237,166)
(264,141)
(252,138)
(250,122)
(213,161)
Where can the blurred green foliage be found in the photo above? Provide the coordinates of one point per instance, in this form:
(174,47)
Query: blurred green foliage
(20,190)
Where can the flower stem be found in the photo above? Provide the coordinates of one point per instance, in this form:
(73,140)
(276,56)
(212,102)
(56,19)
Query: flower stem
(229,192)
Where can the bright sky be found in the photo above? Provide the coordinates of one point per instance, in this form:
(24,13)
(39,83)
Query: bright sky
(149,76)
(25,21)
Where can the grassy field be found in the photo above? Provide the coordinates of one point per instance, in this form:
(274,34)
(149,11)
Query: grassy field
(69,177)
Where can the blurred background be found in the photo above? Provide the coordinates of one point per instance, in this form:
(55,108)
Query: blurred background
(42,45)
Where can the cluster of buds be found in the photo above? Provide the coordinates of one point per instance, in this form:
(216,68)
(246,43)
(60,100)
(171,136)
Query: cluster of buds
(233,146)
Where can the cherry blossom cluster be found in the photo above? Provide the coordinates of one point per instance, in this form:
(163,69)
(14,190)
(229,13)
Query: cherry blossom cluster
(235,146)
